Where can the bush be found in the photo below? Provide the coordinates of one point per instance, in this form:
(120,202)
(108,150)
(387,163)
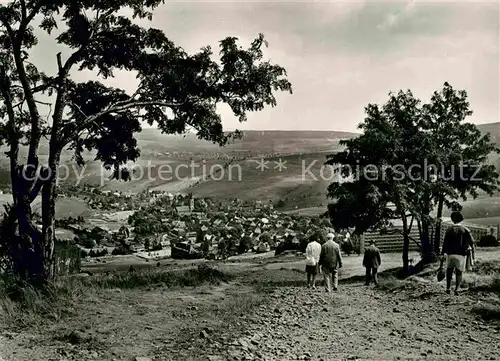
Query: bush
(245,245)
(86,242)
(156,247)
(303,244)
(98,253)
(347,247)
(488,241)
(121,251)
(280,204)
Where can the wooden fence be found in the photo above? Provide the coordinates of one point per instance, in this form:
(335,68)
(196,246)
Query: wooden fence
(393,242)
(388,243)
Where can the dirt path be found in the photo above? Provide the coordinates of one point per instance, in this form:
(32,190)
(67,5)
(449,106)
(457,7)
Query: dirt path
(241,321)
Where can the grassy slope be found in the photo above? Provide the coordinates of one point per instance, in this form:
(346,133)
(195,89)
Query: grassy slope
(292,184)
(307,193)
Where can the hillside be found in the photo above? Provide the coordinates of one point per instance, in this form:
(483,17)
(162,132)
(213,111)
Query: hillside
(175,153)
(298,189)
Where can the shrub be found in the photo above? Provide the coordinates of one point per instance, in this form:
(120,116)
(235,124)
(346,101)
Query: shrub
(98,253)
(303,244)
(156,246)
(121,251)
(87,242)
(488,241)
(280,204)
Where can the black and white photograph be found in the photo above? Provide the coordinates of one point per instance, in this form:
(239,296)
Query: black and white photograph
(249,180)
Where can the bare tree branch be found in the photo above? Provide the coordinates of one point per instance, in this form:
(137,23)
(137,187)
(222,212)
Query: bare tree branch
(27,18)
(86,116)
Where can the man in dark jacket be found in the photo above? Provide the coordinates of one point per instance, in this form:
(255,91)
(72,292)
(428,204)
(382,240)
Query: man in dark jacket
(330,261)
(457,242)
(371,261)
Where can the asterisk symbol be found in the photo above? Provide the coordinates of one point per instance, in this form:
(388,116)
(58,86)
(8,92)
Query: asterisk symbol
(262,164)
(280,165)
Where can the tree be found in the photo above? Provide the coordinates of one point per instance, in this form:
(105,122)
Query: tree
(461,152)
(376,165)
(410,158)
(245,245)
(176,92)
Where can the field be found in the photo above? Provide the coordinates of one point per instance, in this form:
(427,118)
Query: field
(260,309)
(65,207)
(298,183)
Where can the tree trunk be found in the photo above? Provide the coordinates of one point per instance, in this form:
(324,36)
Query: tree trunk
(48,227)
(406,245)
(48,209)
(27,256)
(437,232)
(427,256)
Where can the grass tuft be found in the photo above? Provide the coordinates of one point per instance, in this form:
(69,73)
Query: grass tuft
(156,277)
(23,305)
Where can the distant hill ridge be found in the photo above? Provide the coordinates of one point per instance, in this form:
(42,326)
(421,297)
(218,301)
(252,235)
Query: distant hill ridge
(151,141)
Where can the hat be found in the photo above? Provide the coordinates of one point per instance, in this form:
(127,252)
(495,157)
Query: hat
(456,217)
(330,236)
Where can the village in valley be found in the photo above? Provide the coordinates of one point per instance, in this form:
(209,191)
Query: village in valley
(155,225)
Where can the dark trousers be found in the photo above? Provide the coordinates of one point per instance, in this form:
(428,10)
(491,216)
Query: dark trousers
(371,274)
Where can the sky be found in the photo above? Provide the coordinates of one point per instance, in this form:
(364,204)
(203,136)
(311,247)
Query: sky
(340,56)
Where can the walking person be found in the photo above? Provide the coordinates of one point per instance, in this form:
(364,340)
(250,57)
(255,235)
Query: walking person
(330,261)
(456,244)
(313,252)
(371,262)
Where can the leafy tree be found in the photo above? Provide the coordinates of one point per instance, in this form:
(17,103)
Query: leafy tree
(265,238)
(461,153)
(376,191)
(90,115)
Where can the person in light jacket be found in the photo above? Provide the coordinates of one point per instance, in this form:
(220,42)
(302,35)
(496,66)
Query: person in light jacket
(330,261)
(371,262)
(313,252)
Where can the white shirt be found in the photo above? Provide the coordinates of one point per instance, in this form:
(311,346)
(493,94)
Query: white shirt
(313,251)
